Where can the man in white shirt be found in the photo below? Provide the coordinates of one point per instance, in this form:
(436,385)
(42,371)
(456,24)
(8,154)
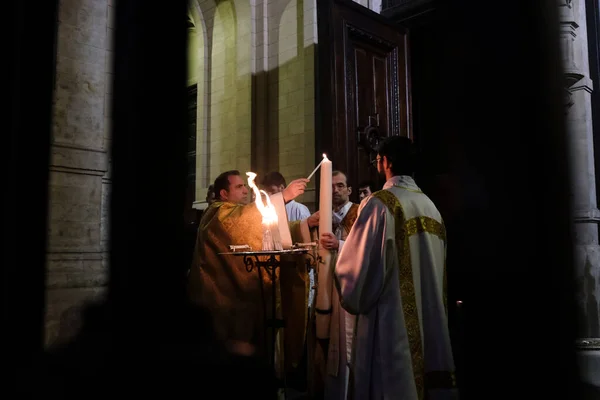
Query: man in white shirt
(273,183)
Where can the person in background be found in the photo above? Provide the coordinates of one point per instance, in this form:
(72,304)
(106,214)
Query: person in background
(273,183)
(210,195)
(365,189)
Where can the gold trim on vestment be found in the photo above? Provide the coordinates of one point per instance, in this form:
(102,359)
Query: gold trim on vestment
(407,288)
(429,225)
(425,225)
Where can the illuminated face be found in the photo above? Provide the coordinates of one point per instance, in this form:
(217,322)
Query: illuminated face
(238,192)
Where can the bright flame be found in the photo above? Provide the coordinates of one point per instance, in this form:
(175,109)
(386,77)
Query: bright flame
(269,215)
(271,238)
(324,155)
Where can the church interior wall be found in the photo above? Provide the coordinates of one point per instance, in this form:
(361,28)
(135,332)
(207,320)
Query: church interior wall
(293,67)
(253,62)
(255,89)
(78,183)
(254,65)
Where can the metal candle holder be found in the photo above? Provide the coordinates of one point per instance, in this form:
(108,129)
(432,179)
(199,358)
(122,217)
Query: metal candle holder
(270,260)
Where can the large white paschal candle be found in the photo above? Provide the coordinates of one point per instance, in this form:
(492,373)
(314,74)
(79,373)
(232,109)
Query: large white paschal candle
(324,271)
(325,206)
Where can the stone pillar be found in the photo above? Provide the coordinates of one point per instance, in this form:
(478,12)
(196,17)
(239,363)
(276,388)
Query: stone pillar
(75,271)
(580,131)
(107,177)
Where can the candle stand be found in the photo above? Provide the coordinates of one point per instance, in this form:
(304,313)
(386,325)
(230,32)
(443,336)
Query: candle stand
(270,260)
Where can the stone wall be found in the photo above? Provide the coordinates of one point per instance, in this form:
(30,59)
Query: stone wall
(223,75)
(76,267)
(292,66)
(254,64)
(255,88)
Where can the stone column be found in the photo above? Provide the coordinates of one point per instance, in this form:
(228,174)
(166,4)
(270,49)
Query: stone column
(579,125)
(78,163)
(107,177)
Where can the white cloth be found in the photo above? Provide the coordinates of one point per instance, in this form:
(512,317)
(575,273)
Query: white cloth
(368,275)
(349,320)
(337,217)
(296,211)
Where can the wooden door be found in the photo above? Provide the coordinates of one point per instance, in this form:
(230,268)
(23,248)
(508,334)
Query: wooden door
(363,87)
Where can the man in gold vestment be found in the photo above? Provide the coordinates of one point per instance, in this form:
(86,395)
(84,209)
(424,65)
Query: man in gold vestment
(238,300)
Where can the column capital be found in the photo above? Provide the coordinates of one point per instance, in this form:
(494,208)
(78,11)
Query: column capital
(587,216)
(565,11)
(588,344)
(583,83)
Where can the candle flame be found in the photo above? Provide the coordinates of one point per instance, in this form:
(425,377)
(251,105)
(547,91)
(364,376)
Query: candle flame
(324,155)
(269,215)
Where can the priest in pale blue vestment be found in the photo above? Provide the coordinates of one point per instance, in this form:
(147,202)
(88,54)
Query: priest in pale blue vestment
(391,274)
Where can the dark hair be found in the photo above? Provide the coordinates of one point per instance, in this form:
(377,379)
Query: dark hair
(368,184)
(211,190)
(273,179)
(401,152)
(222,182)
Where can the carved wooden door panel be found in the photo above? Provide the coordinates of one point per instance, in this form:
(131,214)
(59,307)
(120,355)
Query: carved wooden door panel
(364,87)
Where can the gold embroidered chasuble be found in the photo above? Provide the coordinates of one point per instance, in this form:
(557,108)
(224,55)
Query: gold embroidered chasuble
(391,273)
(239,300)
